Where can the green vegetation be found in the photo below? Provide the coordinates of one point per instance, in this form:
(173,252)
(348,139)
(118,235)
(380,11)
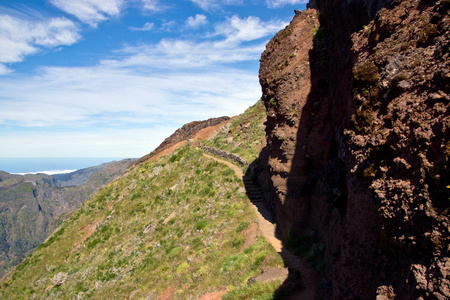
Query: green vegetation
(244,135)
(315,30)
(273,102)
(166,223)
(257,291)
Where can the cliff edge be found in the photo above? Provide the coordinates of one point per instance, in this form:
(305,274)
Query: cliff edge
(357,99)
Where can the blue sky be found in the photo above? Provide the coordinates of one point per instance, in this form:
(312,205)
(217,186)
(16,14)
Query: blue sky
(113,78)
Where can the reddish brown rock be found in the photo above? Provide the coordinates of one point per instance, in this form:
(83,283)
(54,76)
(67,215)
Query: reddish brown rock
(167,294)
(358,137)
(214,296)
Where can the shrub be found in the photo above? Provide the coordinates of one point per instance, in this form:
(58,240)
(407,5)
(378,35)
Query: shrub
(182,268)
(200,225)
(242,226)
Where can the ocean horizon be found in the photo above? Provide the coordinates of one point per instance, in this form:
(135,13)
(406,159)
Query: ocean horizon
(50,165)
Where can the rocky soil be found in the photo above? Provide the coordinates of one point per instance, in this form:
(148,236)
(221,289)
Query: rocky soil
(358,141)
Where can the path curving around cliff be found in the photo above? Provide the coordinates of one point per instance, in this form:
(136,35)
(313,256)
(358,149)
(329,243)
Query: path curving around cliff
(267,228)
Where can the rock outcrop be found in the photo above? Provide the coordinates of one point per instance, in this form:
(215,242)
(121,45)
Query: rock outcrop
(358,138)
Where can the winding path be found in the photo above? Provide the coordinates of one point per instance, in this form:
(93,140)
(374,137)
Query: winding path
(268,231)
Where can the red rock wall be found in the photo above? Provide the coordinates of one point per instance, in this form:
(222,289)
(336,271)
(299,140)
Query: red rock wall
(357,132)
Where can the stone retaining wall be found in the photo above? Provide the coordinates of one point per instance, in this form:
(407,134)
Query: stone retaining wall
(230,156)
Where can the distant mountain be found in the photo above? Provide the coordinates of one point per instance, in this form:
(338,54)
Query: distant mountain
(33,205)
(78,177)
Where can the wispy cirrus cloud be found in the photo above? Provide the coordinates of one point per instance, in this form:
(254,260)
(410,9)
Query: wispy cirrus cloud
(126,89)
(185,54)
(224,46)
(237,30)
(209,5)
(281,3)
(197,21)
(147,27)
(102,99)
(24,36)
(152,5)
(90,12)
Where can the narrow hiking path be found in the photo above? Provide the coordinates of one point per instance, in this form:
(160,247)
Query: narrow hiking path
(267,228)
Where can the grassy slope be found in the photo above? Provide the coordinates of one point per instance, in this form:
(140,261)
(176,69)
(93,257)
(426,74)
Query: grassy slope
(135,248)
(244,134)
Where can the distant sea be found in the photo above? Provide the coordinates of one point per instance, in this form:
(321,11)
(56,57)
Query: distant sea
(50,165)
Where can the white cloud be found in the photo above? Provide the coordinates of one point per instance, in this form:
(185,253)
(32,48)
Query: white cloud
(187,54)
(22,37)
(280,3)
(94,110)
(170,53)
(237,30)
(90,12)
(214,4)
(198,20)
(151,5)
(108,96)
(147,27)
(58,31)
(5,70)
(168,26)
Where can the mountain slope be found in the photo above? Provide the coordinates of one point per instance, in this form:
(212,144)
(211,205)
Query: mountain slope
(78,177)
(179,225)
(33,205)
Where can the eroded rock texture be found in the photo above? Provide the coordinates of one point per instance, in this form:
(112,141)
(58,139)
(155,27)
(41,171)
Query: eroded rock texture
(358,137)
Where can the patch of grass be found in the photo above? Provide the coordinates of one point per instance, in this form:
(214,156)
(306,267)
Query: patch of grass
(200,225)
(242,226)
(260,291)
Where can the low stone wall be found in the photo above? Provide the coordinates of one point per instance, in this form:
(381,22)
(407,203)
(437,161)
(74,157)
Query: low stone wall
(241,161)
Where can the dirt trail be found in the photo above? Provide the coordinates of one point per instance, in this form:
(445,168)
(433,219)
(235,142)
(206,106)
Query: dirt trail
(267,228)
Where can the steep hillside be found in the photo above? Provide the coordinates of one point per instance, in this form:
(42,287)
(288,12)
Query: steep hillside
(357,132)
(33,206)
(180,226)
(198,130)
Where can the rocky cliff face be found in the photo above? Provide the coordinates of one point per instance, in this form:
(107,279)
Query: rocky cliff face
(357,132)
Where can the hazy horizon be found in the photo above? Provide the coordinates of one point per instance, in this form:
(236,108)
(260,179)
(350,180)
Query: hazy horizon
(60,165)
